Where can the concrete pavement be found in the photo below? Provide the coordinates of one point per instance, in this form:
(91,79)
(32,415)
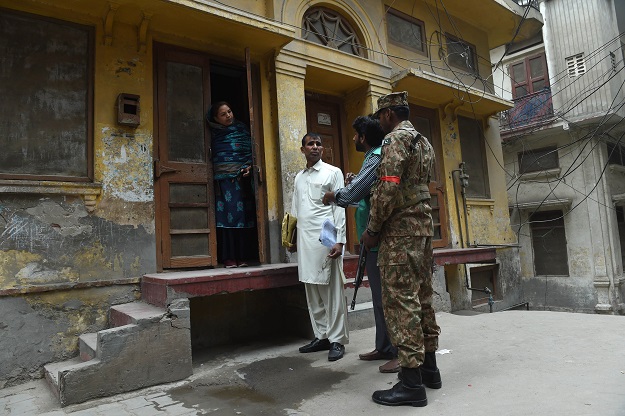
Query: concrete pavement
(506,363)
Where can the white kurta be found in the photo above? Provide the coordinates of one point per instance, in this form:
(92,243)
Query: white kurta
(314,265)
(323,277)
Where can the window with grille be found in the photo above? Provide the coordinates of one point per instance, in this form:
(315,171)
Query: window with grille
(529,75)
(576,65)
(329,28)
(405,31)
(549,243)
(461,54)
(46,126)
(474,155)
(538,160)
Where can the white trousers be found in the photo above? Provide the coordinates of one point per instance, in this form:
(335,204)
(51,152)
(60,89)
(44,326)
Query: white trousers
(328,310)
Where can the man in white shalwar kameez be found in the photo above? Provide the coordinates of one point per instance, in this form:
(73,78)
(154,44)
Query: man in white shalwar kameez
(321,268)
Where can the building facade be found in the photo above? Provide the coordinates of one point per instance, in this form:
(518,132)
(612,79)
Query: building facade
(107,174)
(563,149)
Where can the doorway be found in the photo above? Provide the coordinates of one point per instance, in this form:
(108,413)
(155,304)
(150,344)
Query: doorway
(323,117)
(186,83)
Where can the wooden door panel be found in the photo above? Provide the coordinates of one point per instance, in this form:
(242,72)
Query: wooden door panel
(426,122)
(182,169)
(323,118)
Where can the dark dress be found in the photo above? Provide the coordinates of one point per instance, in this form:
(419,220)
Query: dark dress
(235,208)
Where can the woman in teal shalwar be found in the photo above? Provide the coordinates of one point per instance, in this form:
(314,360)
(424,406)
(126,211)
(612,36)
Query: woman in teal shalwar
(235,208)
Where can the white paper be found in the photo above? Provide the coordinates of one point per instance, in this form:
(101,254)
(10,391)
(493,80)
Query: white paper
(328,233)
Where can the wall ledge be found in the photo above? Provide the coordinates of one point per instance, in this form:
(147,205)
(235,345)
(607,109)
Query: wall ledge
(88,191)
(543,174)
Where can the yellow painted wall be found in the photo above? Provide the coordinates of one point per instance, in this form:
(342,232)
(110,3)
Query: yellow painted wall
(437,23)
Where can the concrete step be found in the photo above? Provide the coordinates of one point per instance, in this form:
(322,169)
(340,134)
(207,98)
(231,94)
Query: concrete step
(51,371)
(361,317)
(154,348)
(88,346)
(138,313)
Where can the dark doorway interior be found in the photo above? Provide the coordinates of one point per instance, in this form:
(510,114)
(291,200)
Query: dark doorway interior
(249,316)
(229,83)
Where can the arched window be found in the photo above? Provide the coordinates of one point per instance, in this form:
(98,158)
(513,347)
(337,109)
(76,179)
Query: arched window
(329,28)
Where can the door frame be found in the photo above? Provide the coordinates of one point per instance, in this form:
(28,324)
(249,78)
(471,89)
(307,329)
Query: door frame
(352,243)
(255,105)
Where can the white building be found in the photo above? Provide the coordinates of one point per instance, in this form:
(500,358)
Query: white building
(564,153)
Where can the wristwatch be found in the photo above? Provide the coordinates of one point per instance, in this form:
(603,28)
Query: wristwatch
(372,233)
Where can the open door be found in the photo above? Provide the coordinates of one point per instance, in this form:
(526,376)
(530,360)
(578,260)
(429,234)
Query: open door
(185,227)
(257,160)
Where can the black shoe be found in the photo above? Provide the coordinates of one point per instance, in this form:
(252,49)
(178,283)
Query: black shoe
(400,395)
(316,345)
(336,351)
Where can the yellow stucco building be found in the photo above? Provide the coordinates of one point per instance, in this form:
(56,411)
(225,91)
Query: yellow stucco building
(107,176)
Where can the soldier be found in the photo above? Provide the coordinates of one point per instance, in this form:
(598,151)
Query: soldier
(401,221)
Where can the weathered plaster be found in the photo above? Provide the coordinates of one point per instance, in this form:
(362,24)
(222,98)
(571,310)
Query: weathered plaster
(126,164)
(292,127)
(42,328)
(12,262)
(53,240)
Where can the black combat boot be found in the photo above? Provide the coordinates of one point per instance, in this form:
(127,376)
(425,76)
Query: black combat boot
(429,371)
(408,392)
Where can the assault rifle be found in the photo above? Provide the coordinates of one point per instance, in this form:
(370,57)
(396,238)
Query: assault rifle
(360,272)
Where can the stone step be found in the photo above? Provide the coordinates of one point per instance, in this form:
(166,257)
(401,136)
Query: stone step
(52,370)
(137,313)
(153,347)
(88,346)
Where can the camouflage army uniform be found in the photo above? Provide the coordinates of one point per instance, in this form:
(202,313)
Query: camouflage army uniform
(401,211)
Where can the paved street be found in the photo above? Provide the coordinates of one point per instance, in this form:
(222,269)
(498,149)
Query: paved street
(507,363)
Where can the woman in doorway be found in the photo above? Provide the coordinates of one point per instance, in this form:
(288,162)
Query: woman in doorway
(235,209)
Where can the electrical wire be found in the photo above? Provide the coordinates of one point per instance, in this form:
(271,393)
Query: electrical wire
(473,73)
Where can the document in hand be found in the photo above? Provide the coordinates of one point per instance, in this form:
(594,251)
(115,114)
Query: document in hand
(328,233)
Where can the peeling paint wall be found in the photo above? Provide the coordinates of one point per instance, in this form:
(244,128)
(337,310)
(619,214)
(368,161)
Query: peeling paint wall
(54,240)
(42,328)
(593,250)
(54,248)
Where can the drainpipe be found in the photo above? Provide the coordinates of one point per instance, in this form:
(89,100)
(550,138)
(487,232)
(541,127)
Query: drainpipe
(463,177)
(453,178)
(464,183)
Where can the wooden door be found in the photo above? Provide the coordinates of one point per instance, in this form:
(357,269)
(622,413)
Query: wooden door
(322,117)
(182,170)
(425,120)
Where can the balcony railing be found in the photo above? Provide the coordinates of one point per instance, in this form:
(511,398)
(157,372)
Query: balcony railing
(529,110)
